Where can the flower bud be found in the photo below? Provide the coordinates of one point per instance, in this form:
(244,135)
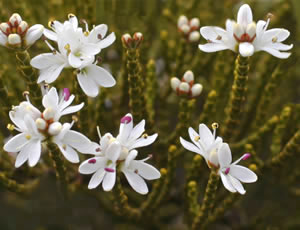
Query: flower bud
(185,28)
(33,34)
(22,28)
(48,114)
(188,76)
(55,128)
(196,90)
(14,40)
(182,20)
(194,36)
(15,20)
(41,123)
(3,39)
(127,40)
(184,87)
(5,28)
(138,38)
(195,23)
(175,82)
(246,49)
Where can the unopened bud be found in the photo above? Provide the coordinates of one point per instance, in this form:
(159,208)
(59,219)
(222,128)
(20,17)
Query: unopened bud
(194,36)
(14,39)
(138,38)
(196,90)
(175,82)
(182,20)
(15,20)
(127,39)
(22,28)
(184,87)
(55,128)
(5,28)
(195,23)
(188,76)
(41,123)
(48,114)
(185,28)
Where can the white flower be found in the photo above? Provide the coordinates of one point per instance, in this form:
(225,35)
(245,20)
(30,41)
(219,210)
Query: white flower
(16,32)
(76,49)
(36,127)
(204,143)
(137,170)
(59,105)
(245,37)
(232,174)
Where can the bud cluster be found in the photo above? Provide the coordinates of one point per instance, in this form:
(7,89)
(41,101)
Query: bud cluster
(16,33)
(186,85)
(189,28)
(132,42)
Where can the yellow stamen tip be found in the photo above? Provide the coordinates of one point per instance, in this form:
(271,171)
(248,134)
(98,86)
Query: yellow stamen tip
(28,137)
(10,127)
(215,125)
(145,135)
(197,138)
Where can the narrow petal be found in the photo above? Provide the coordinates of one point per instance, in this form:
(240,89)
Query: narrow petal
(212,47)
(227,184)
(191,147)
(137,131)
(236,184)
(14,144)
(22,157)
(244,16)
(276,53)
(87,84)
(126,126)
(50,35)
(96,178)
(50,74)
(98,30)
(113,151)
(92,165)
(77,141)
(131,156)
(50,100)
(3,39)
(243,174)
(206,135)
(224,156)
(100,75)
(145,170)
(69,153)
(107,41)
(144,141)
(136,182)
(193,136)
(109,181)
(35,152)
(72,109)
(280,46)
(74,61)
(212,32)
(246,49)
(279,34)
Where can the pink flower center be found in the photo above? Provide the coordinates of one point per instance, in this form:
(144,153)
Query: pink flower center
(92,161)
(66,93)
(109,170)
(125,120)
(227,171)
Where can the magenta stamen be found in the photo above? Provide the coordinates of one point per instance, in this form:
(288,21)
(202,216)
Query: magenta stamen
(92,161)
(246,156)
(109,170)
(227,171)
(98,150)
(126,119)
(66,94)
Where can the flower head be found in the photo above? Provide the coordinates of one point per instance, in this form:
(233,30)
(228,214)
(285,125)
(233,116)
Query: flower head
(245,36)
(189,28)
(232,174)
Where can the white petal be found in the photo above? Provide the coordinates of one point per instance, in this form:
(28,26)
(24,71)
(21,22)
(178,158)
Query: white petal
(136,182)
(98,30)
(35,152)
(50,35)
(193,135)
(227,184)
(191,147)
(72,109)
(92,165)
(50,100)
(3,39)
(212,32)
(46,60)
(96,179)
(107,41)
(276,53)
(213,47)
(244,16)
(87,84)
(137,131)
(113,151)
(14,144)
(246,49)
(279,34)
(69,153)
(243,174)
(74,61)
(77,141)
(206,135)
(280,46)
(141,142)
(109,181)
(236,184)
(31,126)
(101,76)
(224,156)
(131,156)
(145,170)
(33,34)
(50,74)
(22,156)
(126,126)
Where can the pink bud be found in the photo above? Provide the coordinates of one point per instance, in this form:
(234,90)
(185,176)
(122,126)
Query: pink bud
(66,94)
(126,120)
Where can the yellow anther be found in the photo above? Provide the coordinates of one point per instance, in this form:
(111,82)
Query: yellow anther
(215,125)
(86,33)
(50,24)
(28,137)
(25,93)
(197,138)
(145,135)
(274,39)
(68,48)
(10,127)
(71,16)
(64,146)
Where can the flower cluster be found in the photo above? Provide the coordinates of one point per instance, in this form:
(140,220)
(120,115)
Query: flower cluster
(16,33)
(186,85)
(189,28)
(76,49)
(120,153)
(218,156)
(36,127)
(246,37)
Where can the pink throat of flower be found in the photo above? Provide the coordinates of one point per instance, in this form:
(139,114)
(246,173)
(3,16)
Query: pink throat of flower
(246,156)
(109,170)
(125,120)
(66,93)
(245,38)
(92,161)
(227,171)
